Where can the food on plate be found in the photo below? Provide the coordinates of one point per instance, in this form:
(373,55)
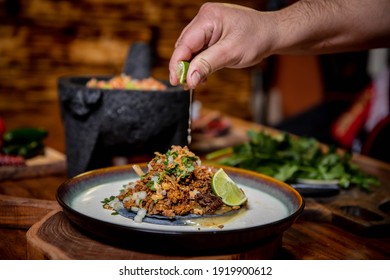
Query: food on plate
(177,184)
(291,159)
(127,82)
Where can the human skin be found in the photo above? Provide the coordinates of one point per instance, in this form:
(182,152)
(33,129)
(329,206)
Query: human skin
(233,36)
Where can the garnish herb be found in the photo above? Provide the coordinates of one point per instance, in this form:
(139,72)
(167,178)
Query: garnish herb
(106,204)
(150,185)
(178,165)
(288,158)
(107,200)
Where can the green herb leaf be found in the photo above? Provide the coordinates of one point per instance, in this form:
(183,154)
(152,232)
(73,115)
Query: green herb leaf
(108,199)
(179,167)
(288,158)
(150,185)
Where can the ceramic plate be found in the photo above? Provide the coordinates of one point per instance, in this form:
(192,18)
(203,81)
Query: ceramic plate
(272,208)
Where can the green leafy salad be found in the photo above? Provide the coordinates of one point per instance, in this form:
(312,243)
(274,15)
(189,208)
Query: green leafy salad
(290,159)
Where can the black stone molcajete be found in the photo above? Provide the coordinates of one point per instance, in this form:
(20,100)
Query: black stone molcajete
(102,123)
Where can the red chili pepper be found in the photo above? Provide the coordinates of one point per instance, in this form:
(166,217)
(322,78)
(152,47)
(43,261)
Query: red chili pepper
(2,131)
(2,127)
(10,160)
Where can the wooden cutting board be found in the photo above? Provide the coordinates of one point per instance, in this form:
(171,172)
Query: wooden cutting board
(23,212)
(54,237)
(51,162)
(358,212)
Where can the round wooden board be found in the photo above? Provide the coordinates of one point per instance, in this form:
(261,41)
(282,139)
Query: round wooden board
(55,237)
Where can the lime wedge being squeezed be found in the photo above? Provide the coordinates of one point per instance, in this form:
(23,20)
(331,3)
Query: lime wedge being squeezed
(181,71)
(224,187)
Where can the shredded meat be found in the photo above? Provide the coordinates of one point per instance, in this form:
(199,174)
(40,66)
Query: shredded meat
(209,201)
(175,184)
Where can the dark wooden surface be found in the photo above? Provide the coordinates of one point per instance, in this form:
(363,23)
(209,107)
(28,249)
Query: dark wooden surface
(54,237)
(317,234)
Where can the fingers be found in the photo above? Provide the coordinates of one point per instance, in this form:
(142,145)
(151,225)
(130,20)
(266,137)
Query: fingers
(182,53)
(220,35)
(206,63)
(194,39)
(201,65)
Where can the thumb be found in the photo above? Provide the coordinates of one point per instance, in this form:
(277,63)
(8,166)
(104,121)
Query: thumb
(205,63)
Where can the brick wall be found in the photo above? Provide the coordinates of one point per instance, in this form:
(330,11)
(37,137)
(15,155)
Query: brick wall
(41,40)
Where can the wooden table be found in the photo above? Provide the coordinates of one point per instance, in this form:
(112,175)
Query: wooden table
(323,231)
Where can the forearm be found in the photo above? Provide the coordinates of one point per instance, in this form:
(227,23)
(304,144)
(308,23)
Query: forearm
(324,26)
(225,35)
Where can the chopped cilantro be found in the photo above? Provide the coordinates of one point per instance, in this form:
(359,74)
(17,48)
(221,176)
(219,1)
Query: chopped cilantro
(179,166)
(150,185)
(287,158)
(108,199)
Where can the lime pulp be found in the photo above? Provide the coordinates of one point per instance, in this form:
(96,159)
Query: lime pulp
(224,187)
(181,71)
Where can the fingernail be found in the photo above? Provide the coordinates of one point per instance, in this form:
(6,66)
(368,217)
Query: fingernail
(171,79)
(195,78)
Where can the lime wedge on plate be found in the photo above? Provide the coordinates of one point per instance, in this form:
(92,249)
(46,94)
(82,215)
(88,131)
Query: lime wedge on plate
(224,187)
(181,71)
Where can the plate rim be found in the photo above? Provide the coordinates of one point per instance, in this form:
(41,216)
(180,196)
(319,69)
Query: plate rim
(76,216)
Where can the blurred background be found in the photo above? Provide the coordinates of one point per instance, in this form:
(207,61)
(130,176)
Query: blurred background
(42,40)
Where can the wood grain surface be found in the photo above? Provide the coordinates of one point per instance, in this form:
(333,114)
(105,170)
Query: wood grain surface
(20,212)
(317,234)
(51,162)
(54,237)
